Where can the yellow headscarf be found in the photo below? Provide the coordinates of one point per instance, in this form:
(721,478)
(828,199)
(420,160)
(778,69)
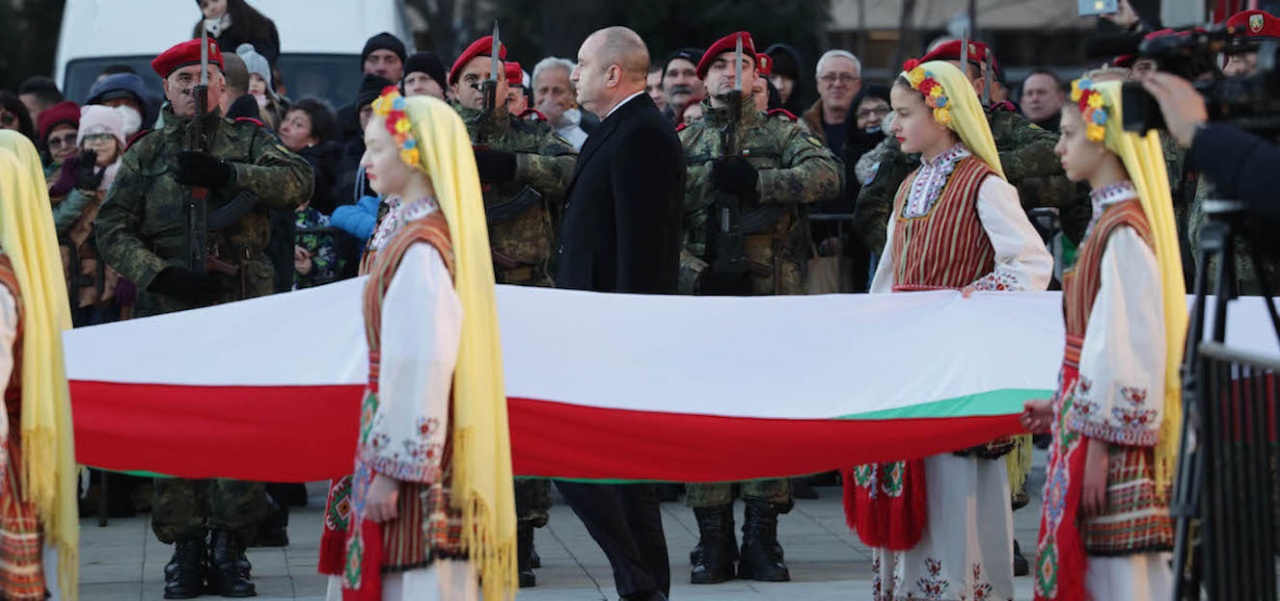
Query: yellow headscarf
(48,471)
(1143,158)
(959,107)
(481,439)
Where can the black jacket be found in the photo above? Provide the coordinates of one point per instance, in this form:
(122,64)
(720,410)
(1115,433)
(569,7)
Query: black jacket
(325,159)
(1241,166)
(621,224)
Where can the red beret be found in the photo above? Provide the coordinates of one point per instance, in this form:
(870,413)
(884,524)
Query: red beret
(950,51)
(514,75)
(186,53)
(66,112)
(726,44)
(1254,24)
(764,64)
(480,47)
(1124,61)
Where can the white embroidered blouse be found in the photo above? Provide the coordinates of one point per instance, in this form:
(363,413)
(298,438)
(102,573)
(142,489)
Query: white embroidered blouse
(1120,394)
(1022,262)
(421,330)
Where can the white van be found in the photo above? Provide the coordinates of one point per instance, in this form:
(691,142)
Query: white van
(320,40)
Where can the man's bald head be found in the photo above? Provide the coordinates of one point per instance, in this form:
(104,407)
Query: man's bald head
(622,47)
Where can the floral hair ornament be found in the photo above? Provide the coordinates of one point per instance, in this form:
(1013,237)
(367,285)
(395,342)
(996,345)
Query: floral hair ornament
(390,106)
(1092,108)
(934,96)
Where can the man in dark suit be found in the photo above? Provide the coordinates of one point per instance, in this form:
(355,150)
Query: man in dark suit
(620,232)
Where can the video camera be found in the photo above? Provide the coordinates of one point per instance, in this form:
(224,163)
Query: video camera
(1251,102)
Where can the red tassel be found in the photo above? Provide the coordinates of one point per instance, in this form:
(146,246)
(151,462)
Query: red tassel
(892,522)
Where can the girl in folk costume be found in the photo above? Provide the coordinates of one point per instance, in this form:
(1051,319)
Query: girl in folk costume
(1105,530)
(428,512)
(941,527)
(39,522)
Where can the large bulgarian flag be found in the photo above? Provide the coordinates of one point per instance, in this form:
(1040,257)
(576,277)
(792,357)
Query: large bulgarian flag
(600,386)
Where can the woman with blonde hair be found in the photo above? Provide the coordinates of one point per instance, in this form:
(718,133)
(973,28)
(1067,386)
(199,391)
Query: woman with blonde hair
(428,512)
(39,522)
(941,527)
(1105,530)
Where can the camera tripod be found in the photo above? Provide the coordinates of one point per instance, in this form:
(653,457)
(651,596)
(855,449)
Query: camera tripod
(1226,490)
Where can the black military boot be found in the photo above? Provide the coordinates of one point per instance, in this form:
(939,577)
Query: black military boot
(524,555)
(184,574)
(535,560)
(228,567)
(712,560)
(761,554)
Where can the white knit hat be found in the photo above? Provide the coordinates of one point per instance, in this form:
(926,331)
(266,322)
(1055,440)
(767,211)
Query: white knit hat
(256,64)
(98,119)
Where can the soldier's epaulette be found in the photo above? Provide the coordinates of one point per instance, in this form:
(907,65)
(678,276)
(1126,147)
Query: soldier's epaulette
(781,112)
(136,137)
(252,120)
(533,115)
(680,127)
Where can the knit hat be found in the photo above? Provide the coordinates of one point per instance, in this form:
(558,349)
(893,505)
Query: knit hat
(690,54)
(785,61)
(371,88)
(383,41)
(256,64)
(426,62)
(66,112)
(96,119)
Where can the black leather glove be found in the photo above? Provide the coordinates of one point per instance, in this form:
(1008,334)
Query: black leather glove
(735,176)
(88,176)
(202,169)
(176,282)
(712,283)
(495,166)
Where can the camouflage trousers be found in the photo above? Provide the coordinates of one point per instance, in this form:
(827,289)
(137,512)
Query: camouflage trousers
(775,492)
(533,501)
(187,509)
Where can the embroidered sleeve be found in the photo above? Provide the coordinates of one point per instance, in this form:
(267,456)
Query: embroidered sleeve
(421,328)
(1022,262)
(1119,395)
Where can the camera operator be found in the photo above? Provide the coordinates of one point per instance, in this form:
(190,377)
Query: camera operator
(1240,164)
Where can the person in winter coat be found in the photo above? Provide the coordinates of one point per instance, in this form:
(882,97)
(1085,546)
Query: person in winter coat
(260,87)
(126,90)
(58,126)
(101,144)
(554,97)
(786,76)
(233,22)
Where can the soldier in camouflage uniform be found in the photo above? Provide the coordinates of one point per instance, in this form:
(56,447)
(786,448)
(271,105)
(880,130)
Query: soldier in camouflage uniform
(525,168)
(776,169)
(1026,152)
(141,233)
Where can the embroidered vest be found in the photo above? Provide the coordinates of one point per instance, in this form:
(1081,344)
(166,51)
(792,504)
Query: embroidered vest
(429,524)
(946,247)
(1081,283)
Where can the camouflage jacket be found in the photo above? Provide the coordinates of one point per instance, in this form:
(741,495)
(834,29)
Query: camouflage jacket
(1026,154)
(141,226)
(522,236)
(795,169)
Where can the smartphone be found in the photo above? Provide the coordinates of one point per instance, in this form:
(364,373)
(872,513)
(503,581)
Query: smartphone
(1089,8)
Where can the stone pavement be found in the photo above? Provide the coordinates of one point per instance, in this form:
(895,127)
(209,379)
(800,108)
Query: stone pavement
(125,562)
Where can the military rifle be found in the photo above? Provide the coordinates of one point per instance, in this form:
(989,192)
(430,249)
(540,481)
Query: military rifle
(489,91)
(197,196)
(725,248)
